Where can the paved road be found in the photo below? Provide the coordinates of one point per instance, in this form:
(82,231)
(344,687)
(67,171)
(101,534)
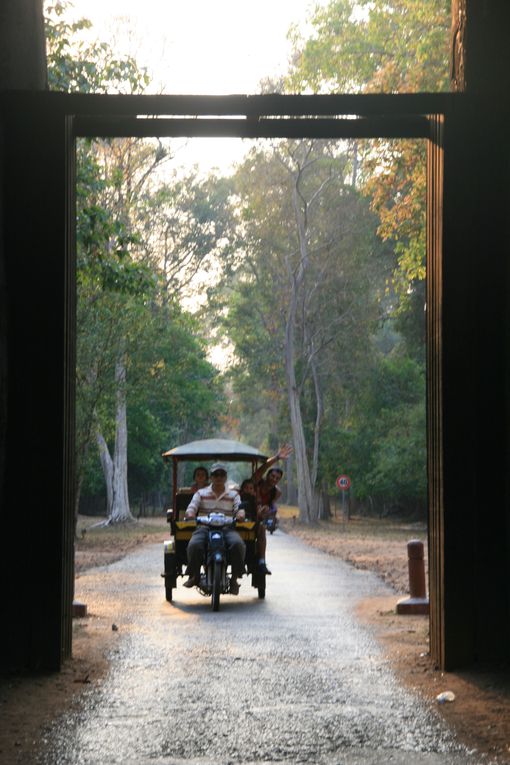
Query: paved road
(290,679)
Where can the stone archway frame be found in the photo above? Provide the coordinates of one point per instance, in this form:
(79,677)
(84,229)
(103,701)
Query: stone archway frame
(55,121)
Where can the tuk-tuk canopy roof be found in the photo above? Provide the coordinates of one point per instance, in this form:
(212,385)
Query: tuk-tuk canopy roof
(215,449)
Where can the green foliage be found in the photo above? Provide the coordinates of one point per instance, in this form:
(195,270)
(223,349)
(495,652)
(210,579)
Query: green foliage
(249,318)
(76,65)
(174,396)
(142,243)
(185,225)
(375,421)
(129,283)
(388,46)
(400,456)
(338,302)
(383,446)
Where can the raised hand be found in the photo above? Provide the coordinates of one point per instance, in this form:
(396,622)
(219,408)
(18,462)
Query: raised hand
(285,451)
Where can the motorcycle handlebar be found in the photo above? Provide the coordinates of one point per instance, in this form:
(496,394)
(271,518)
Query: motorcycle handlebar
(215,519)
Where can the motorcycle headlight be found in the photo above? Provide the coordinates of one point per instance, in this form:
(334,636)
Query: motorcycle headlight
(216,519)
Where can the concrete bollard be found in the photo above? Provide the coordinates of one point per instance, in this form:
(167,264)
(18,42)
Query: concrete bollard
(418,602)
(79,610)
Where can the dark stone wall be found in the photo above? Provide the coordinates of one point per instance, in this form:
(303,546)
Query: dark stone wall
(22,67)
(476,349)
(3,329)
(475,384)
(37,507)
(32,182)
(486,30)
(22,45)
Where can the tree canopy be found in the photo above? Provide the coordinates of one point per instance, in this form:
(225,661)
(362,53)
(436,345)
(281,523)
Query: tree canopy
(143,378)
(308,263)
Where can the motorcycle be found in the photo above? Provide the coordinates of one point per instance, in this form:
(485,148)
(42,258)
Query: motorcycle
(215,581)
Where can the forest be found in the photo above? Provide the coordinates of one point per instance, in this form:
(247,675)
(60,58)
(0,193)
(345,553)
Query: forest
(305,266)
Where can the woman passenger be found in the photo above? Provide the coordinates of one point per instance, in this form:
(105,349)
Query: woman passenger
(200,478)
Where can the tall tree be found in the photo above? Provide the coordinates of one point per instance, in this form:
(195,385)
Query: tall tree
(388,46)
(134,255)
(308,240)
(76,64)
(369,46)
(169,230)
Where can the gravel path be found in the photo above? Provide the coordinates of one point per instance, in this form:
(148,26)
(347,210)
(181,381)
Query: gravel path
(290,679)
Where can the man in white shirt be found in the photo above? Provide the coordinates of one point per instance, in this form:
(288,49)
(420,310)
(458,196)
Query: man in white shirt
(210,499)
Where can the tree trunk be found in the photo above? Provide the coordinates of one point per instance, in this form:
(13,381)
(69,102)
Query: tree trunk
(115,470)
(319,410)
(77,492)
(305,495)
(120,510)
(307,503)
(291,486)
(324,503)
(355,163)
(107,465)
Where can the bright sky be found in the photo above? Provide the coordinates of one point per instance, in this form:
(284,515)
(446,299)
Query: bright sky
(201,47)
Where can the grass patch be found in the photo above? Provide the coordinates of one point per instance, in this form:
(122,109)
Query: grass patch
(91,535)
(288,512)
(101,545)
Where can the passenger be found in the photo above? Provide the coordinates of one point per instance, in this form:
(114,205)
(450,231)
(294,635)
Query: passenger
(248,495)
(275,475)
(267,493)
(248,487)
(200,478)
(215,498)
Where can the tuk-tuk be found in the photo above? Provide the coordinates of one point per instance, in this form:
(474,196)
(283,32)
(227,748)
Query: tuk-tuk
(202,453)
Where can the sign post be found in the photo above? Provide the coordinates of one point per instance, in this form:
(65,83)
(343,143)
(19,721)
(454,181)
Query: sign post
(344,484)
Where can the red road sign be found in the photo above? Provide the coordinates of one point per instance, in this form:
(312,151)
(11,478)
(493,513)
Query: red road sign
(343,482)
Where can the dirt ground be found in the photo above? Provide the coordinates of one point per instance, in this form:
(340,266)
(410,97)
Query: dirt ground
(480,713)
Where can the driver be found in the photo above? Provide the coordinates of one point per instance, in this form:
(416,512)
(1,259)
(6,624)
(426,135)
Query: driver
(215,498)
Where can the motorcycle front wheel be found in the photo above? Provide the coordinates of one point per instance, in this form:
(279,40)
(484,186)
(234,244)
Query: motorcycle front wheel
(216,587)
